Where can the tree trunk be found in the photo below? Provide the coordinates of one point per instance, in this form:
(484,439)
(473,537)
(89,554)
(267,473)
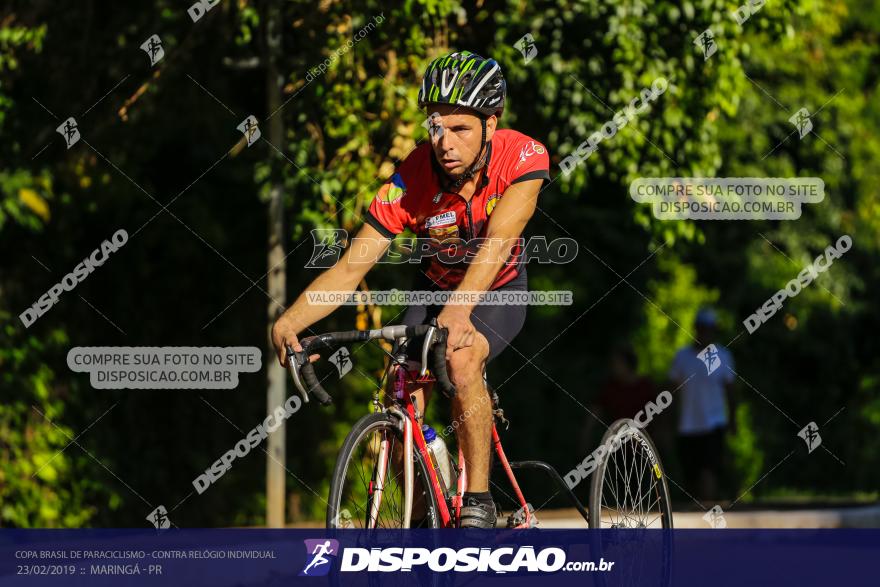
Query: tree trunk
(276,375)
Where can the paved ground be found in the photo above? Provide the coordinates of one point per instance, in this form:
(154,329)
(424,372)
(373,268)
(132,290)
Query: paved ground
(843,517)
(852,517)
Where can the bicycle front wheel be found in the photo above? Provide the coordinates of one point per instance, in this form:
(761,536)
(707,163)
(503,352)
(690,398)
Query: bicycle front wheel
(367,490)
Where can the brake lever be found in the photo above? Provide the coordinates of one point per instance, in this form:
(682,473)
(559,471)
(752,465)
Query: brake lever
(295,360)
(426,346)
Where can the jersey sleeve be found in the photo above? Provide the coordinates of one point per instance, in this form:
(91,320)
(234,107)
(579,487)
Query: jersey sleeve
(392,209)
(533,161)
(386,213)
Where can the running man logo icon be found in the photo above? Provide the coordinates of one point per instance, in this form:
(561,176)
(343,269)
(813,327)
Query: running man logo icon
(710,357)
(526,46)
(159,518)
(433,124)
(327,247)
(715,517)
(342,360)
(153,48)
(810,434)
(250,129)
(706,42)
(319,552)
(70,131)
(801,120)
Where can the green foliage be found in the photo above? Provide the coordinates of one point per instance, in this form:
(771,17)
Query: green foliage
(748,463)
(673,300)
(14,40)
(184,278)
(38,482)
(39,485)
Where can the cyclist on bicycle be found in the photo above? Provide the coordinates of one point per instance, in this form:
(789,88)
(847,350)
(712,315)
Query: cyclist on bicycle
(473,181)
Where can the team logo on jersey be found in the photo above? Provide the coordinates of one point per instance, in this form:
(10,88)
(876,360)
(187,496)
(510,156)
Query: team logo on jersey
(527,151)
(392,190)
(442,227)
(447,217)
(446,235)
(491,202)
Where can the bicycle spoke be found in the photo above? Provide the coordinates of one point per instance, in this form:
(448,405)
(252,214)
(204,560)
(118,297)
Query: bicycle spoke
(386,499)
(612,489)
(623,475)
(628,494)
(643,457)
(618,475)
(629,488)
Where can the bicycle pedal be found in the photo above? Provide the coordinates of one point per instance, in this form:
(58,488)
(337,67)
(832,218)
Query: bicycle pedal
(518,518)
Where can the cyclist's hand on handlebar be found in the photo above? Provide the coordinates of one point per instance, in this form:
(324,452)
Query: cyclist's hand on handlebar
(462,334)
(284,335)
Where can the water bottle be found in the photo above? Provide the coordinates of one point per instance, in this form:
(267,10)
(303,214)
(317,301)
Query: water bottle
(440,456)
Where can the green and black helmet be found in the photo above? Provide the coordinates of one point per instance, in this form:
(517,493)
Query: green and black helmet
(465,79)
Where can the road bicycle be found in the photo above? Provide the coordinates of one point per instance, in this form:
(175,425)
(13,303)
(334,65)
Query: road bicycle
(387,477)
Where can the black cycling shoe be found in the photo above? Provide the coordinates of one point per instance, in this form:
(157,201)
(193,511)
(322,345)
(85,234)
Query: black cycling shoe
(478,514)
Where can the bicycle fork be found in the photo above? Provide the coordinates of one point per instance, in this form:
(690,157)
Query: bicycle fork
(377,488)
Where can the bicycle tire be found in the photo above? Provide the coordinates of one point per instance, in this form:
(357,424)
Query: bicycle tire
(369,424)
(631,437)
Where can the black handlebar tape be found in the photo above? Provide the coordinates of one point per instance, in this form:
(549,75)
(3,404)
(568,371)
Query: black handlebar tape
(438,364)
(418,330)
(317,343)
(313,384)
(326,341)
(333,339)
(307,371)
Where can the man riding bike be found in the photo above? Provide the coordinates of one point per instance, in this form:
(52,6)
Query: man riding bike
(472,181)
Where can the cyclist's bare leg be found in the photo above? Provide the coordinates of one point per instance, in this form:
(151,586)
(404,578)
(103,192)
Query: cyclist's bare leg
(471,409)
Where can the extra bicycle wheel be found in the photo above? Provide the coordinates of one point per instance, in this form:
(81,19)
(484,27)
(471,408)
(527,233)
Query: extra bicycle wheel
(628,488)
(628,492)
(367,490)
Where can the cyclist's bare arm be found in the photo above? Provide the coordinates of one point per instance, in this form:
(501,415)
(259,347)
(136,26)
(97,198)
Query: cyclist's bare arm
(343,276)
(506,224)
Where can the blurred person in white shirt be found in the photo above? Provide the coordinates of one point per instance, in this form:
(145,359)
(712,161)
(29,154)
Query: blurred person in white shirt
(703,373)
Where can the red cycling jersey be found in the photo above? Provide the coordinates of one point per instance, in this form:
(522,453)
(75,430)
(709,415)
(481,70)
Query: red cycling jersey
(414,199)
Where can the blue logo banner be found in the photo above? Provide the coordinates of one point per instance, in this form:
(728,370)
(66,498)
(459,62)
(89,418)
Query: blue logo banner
(237,557)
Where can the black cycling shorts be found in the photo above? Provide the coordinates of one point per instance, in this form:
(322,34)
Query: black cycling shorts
(499,324)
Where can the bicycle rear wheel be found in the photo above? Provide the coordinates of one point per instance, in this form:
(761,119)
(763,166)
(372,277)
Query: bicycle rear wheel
(367,490)
(628,488)
(628,492)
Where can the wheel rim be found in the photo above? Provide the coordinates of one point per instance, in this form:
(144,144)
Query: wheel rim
(362,492)
(632,492)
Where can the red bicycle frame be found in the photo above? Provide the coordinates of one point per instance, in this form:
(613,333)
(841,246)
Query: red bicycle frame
(447,519)
(402,406)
